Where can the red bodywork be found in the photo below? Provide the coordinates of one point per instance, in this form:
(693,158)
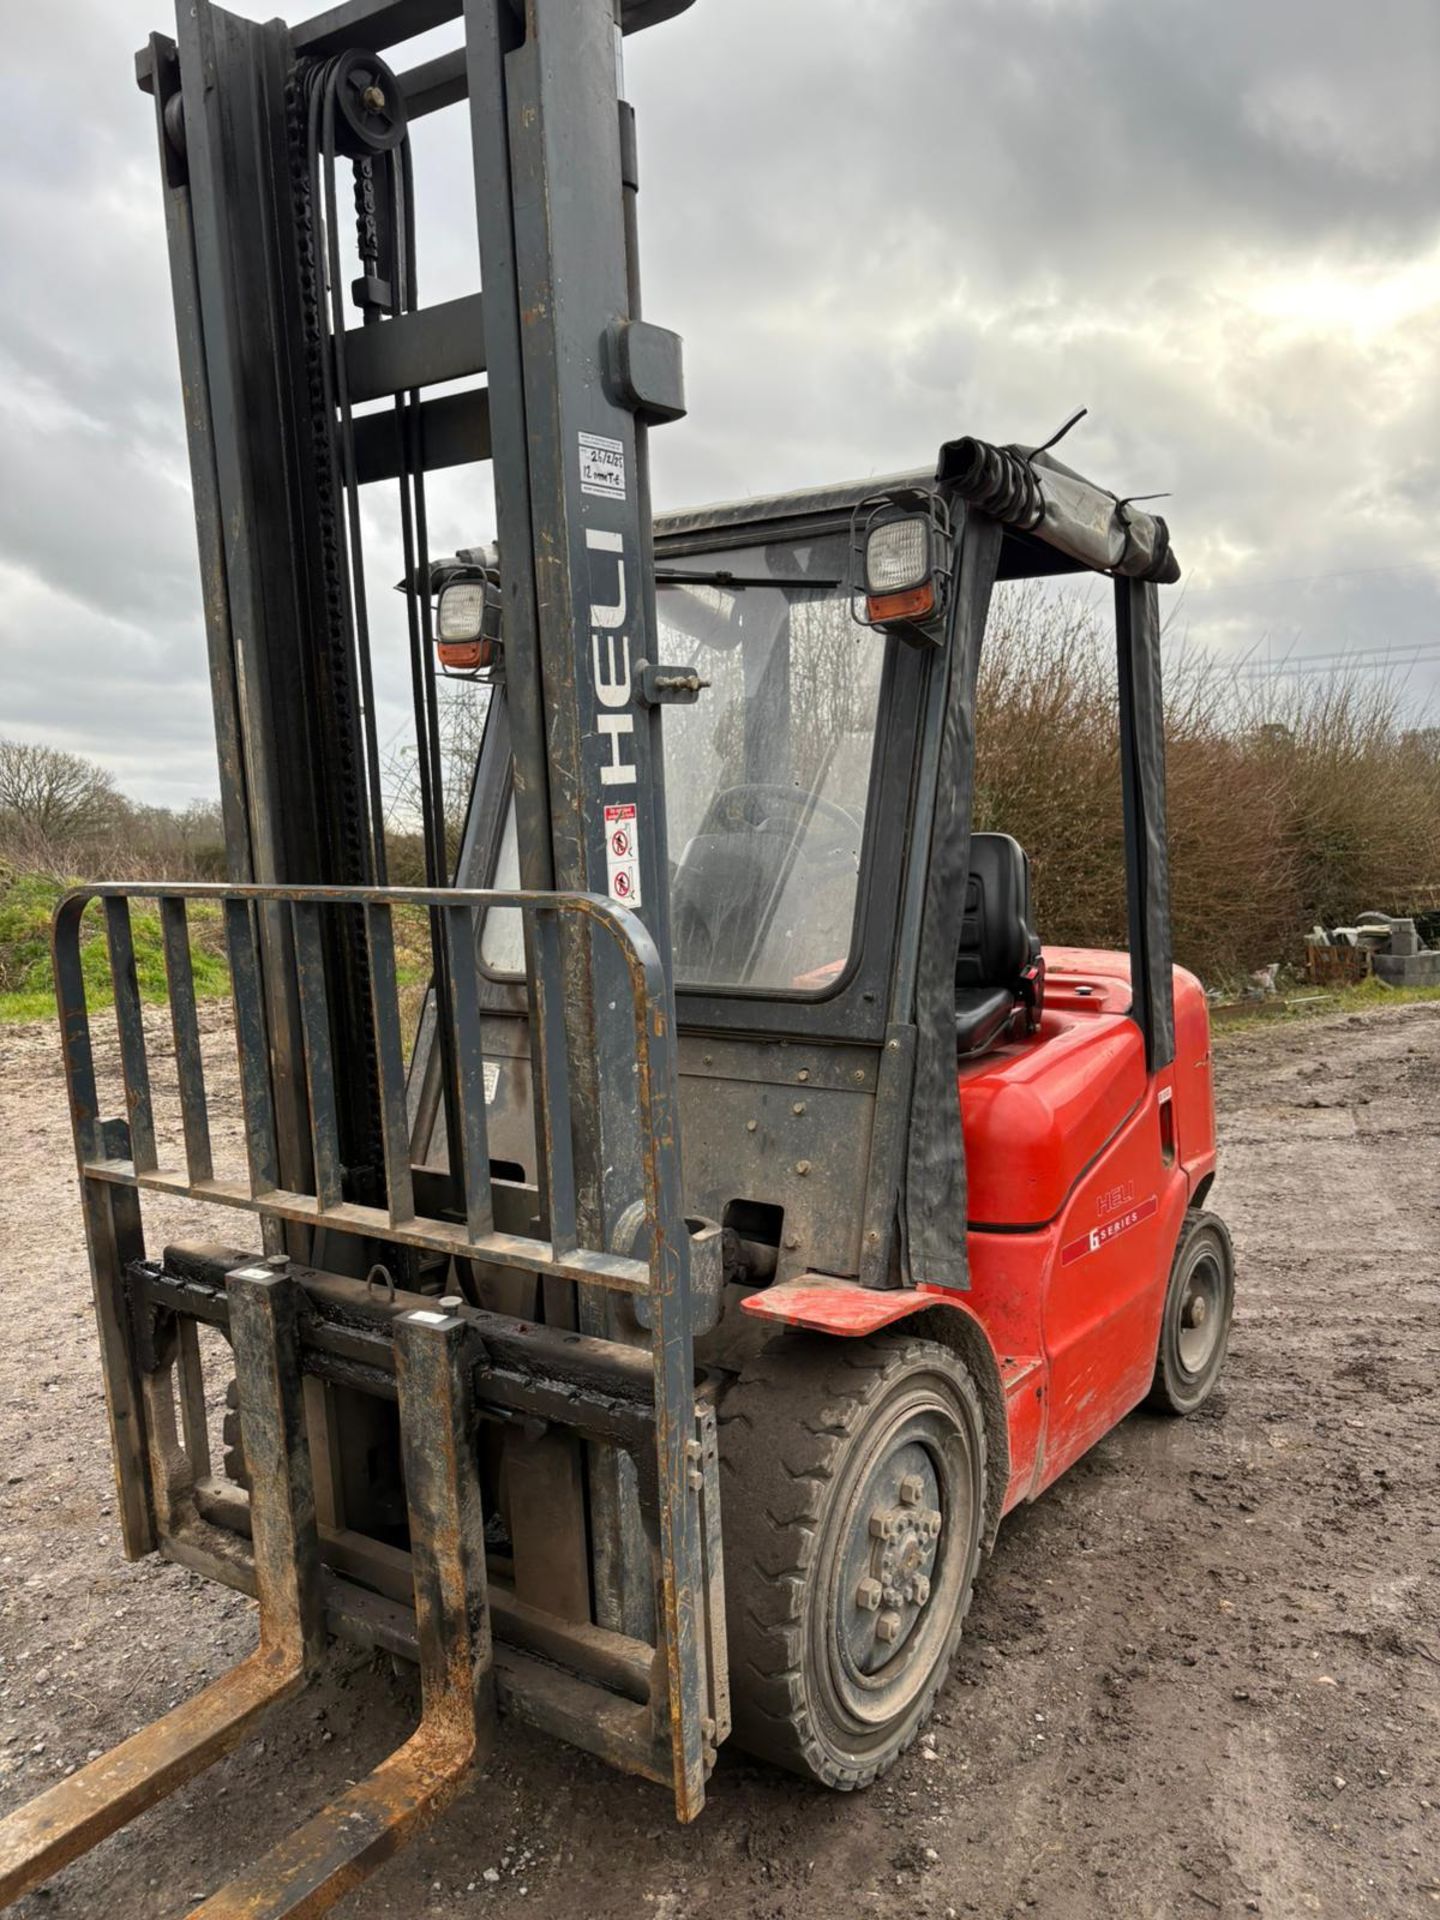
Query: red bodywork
(1080,1168)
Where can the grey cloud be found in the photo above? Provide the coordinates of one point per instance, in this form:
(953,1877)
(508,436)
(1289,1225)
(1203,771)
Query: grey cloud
(981,216)
(877,222)
(1101,139)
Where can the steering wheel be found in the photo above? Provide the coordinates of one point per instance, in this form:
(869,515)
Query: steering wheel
(732,809)
(714,931)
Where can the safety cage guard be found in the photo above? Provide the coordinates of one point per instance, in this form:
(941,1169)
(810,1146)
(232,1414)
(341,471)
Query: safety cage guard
(659,1711)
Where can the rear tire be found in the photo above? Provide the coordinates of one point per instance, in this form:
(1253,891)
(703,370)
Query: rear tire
(853,1477)
(1195,1326)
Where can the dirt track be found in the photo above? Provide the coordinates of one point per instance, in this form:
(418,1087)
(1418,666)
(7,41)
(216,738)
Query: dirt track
(1201,1676)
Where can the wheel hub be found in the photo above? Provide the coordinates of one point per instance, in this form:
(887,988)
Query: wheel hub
(897,1555)
(903,1526)
(1201,1316)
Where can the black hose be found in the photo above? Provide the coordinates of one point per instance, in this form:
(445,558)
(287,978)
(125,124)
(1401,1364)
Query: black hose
(994,479)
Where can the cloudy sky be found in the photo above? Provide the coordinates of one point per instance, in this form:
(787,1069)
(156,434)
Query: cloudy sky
(877,223)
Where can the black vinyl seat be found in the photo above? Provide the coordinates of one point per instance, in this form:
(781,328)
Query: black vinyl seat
(998,968)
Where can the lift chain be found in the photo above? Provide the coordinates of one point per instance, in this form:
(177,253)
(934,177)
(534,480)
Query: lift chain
(333,647)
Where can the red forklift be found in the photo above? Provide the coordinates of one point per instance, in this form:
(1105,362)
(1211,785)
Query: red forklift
(649,1343)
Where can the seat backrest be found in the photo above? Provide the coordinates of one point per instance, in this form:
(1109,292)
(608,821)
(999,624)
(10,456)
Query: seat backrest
(996,943)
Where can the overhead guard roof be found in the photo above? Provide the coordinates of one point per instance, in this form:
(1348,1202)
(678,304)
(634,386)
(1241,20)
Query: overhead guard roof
(1055,521)
(815,510)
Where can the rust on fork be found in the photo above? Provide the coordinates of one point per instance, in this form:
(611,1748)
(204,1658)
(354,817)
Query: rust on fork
(331,1854)
(76,1814)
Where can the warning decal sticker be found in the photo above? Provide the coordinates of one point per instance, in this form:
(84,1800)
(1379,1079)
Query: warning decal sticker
(1101,1236)
(602,467)
(622,855)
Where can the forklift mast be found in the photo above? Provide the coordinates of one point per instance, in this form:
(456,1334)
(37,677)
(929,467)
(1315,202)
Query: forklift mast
(307,359)
(261,257)
(304,388)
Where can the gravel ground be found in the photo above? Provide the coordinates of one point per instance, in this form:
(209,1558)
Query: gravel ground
(1201,1676)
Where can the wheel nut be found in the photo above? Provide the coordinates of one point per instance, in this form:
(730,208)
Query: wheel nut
(882,1526)
(892,1596)
(920,1589)
(912,1488)
(887,1627)
(932,1522)
(867,1595)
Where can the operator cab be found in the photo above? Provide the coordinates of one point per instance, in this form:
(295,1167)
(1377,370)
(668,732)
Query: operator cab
(837,933)
(769,774)
(791,799)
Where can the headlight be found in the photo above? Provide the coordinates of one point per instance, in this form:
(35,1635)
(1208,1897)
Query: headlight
(461,613)
(467,625)
(901,547)
(897,556)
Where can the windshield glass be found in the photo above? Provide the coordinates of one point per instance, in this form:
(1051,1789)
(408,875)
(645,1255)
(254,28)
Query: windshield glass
(767,775)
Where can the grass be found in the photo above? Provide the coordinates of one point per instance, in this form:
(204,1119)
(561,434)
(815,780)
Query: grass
(27,991)
(1309,1003)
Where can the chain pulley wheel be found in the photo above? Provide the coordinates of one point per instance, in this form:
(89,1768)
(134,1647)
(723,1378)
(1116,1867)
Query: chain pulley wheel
(369,106)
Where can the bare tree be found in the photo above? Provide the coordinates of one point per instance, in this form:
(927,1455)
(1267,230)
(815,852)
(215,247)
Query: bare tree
(462,707)
(169,843)
(53,804)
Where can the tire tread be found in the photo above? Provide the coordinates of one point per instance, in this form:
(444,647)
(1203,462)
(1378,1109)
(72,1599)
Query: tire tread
(784,1428)
(1161,1398)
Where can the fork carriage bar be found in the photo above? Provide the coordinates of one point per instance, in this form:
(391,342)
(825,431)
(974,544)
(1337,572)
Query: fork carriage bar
(641,1401)
(520,1372)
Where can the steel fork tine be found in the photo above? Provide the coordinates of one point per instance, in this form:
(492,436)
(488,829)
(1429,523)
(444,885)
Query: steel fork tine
(330,1855)
(76,1814)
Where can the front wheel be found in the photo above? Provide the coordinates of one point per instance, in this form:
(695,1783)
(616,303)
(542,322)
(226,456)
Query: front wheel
(1195,1327)
(854,1502)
